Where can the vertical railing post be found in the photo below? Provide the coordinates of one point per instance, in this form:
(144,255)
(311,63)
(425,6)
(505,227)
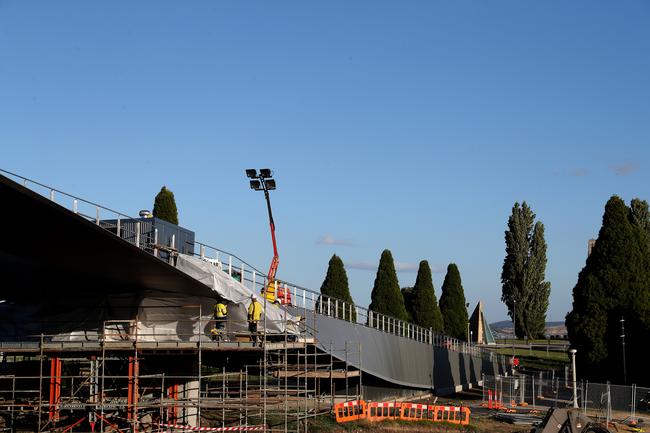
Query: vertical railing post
(230,265)
(119,226)
(202,251)
(336,308)
(52,195)
(155,242)
(75,206)
(137,234)
(97,215)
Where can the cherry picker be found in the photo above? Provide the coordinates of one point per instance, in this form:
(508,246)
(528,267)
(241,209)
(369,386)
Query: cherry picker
(272,290)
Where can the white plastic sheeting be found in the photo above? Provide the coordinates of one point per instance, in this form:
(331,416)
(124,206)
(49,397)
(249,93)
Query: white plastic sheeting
(278,319)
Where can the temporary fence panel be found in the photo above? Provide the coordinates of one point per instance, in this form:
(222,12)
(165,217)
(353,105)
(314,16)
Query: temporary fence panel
(350,411)
(452,414)
(383,411)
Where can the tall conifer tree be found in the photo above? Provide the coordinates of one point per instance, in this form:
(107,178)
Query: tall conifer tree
(613,285)
(386,297)
(524,290)
(336,286)
(164,206)
(424,305)
(453,306)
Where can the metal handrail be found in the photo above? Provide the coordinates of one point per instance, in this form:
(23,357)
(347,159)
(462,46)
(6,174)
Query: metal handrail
(248,273)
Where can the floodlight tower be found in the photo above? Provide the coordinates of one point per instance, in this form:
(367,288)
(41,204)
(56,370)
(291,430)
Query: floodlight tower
(264,182)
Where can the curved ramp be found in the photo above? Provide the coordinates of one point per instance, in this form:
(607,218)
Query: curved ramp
(405,362)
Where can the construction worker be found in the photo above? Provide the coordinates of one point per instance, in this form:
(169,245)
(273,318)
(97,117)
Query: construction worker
(220,320)
(269,291)
(254,316)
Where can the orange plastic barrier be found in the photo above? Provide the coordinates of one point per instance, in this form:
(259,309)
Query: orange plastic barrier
(452,414)
(350,411)
(417,412)
(381,411)
(375,411)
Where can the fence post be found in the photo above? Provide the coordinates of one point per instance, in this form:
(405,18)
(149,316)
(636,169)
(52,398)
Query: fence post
(137,232)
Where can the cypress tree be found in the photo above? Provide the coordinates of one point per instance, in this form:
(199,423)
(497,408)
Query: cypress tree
(614,284)
(424,305)
(386,297)
(164,206)
(524,290)
(336,286)
(407,294)
(452,304)
(640,215)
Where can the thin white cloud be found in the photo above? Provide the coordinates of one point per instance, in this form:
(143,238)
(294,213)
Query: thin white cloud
(438,269)
(406,267)
(625,169)
(363,266)
(578,172)
(330,240)
(399,266)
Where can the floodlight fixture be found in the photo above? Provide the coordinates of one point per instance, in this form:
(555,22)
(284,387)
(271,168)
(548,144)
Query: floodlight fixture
(256,185)
(251,172)
(265,173)
(270,184)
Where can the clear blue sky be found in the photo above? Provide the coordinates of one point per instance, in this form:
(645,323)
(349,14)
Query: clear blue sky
(412,126)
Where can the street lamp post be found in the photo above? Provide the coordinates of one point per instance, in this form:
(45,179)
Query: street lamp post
(264,182)
(573,369)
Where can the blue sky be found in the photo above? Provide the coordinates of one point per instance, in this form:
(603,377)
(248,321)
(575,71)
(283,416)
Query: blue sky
(412,126)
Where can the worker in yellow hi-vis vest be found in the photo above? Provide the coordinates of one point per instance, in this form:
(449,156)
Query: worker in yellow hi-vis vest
(220,319)
(254,316)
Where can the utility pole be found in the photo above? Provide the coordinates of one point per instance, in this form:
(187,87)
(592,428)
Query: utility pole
(623,344)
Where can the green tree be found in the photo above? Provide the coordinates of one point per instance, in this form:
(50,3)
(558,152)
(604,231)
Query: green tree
(640,215)
(336,286)
(407,294)
(453,305)
(524,290)
(423,307)
(614,284)
(164,206)
(386,297)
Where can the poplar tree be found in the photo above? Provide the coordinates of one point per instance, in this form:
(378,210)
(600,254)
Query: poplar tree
(424,305)
(164,206)
(336,286)
(613,285)
(453,306)
(386,297)
(524,290)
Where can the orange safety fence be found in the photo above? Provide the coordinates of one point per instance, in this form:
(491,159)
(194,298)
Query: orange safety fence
(381,411)
(452,414)
(376,411)
(417,412)
(350,411)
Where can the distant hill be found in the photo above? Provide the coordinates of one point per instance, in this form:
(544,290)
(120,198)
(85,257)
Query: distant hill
(503,329)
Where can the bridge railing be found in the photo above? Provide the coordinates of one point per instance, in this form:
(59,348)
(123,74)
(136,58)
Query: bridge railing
(132,230)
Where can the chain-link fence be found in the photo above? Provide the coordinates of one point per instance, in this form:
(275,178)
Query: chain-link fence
(602,401)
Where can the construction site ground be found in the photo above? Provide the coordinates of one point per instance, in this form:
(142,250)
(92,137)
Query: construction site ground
(482,420)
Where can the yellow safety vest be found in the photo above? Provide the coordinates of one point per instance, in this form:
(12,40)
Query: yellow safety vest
(220,310)
(254,312)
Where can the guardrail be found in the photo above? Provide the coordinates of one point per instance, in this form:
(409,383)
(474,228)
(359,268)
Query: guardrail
(250,276)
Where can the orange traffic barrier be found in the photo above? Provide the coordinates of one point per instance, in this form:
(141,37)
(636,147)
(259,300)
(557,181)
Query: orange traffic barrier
(417,412)
(382,411)
(350,411)
(452,414)
(375,411)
